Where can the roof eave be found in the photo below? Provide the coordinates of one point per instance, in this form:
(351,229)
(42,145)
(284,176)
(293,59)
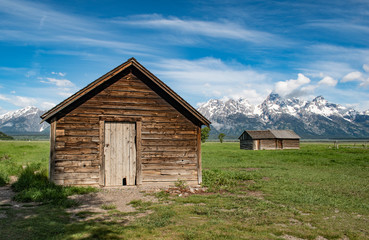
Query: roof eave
(130,62)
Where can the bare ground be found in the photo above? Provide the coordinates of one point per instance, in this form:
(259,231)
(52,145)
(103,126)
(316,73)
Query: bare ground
(97,204)
(113,198)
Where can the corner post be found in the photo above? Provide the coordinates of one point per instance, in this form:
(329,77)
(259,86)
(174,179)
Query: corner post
(52,149)
(199,167)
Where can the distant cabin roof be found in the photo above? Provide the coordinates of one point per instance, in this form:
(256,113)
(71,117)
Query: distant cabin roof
(271,134)
(134,67)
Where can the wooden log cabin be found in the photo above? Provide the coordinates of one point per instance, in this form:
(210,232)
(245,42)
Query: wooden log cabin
(125,128)
(269,140)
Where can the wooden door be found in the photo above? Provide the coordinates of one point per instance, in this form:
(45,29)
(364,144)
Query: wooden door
(279,144)
(120,154)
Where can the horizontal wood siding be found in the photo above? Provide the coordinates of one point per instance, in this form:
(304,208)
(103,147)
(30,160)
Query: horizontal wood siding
(291,144)
(246,144)
(169,148)
(268,144)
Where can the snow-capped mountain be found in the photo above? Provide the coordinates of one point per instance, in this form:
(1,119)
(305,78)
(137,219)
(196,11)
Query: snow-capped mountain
(23,120)
(310,119)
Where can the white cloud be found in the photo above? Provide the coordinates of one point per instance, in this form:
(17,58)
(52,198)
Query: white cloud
(213,78)
(26,18)
(59,74)
(366,67)
(214,29)
(352,76)
(47,105)
(23,101)
(3,98)
(65,94)
(288,87)
(59,82)
(329,81)
(363,79)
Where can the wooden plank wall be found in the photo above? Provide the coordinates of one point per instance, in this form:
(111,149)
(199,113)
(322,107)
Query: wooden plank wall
(268,144)
(246,144)
(291,144)
(169,149)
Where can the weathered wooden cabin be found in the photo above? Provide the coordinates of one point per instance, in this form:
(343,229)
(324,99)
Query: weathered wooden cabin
(125,128)
(269,140)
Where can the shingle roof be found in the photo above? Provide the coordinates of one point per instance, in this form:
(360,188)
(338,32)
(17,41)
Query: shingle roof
(271,134)
(285,134)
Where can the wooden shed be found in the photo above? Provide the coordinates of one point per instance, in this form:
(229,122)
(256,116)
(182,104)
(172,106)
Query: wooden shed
(269,139)
(125,128)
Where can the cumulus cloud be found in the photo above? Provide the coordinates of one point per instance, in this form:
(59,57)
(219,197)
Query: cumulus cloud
(292,87)
(352,76)
(363,79)
(329,81)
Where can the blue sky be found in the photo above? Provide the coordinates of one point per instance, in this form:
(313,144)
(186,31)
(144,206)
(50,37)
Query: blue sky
(201,49)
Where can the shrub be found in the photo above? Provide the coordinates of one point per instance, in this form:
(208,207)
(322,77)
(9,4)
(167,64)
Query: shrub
(31,177)
(181,184)
(4,178)
(34,186)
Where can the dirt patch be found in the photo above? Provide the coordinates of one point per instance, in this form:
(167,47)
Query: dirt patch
(6,195)
(289,237)
(107,199)
(184,192)
(118,197)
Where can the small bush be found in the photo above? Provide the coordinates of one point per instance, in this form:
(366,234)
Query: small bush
(9,167)
(34,186)
(181,184)
(31,177)
(4,179)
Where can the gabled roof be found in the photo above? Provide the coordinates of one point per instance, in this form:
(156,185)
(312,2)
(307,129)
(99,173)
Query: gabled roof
(285,134)
(271,134)
(130,66)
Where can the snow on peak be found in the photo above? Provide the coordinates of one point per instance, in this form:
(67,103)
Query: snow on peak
(30,110)
(275,105)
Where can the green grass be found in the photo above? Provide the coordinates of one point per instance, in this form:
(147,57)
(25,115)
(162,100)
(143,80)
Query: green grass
(14,155)
(108,206)
(315,191)
(33,186)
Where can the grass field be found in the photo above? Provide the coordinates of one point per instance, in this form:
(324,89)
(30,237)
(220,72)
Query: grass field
(317,192)
(14,155)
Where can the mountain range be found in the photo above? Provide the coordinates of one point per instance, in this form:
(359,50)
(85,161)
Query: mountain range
(309,119)
(25,120)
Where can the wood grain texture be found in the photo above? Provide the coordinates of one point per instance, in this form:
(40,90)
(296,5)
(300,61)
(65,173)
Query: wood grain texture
(163,138)
(52,149)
